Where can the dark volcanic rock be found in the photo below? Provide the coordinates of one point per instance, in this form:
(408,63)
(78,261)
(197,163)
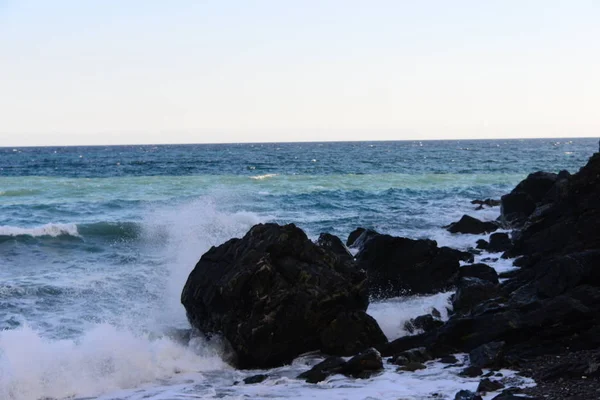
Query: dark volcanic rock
(521,202)
(487,355)
(468,224)
(481,271)
(327,367)
(363,364)
(571,224)
(273,294)
(425,323)
(255,379)
(499,242)
(486,202)
(349,331)
(335,245)
(359,237)
(397,265)
(472,292)
(487,385)
(466,395)
(471,372)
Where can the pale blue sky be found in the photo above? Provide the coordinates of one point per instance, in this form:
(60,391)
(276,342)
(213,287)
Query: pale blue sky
(96,72)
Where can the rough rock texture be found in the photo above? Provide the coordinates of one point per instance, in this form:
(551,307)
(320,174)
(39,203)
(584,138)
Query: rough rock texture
(481,271)
(359,237)
(274,295)
(550,306)
(472,292)
(468,224)
(335,245)
(397,265)
(521,202)
(499,242)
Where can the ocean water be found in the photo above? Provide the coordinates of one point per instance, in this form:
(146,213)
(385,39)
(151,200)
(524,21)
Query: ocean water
(97,242)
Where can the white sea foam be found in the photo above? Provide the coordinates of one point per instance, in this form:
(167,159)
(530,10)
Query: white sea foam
(53,230)
(393,314)
(105,359)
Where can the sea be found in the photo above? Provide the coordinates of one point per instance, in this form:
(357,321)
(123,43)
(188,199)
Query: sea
(96,244)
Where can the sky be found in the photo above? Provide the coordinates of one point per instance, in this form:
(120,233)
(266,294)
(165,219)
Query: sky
(203,71)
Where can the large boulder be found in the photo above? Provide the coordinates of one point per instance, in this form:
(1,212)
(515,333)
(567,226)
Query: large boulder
(274,294)
(468,224)
(397,266)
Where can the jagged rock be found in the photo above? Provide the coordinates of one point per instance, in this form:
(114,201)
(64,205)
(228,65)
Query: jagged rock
(335,245)
(521,202)
(472,292)
(329,366)
(487,385)
(487,355)
(273,293)
(468,224)
(480,271)
(397,265)
(359,237)
(425,323)
(499,242)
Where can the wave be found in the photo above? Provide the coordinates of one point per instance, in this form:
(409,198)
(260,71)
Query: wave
(103,230)
(19,192)
(262,177)
(51,230)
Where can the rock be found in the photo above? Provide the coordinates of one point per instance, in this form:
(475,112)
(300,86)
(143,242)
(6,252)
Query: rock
(397,266)
(571,224)
(273,293)
(419,354)
(399,360)
(482,244)
(472,292)
(466,395)
(480,271)
(412,366)
(363,364)
(487,355)
(450,359)
(486,202)
(424,323)
(255,379)
(556,275)
(349,331)
(335,245)
(359,237)
(327,367)
(471,372)
(499,242)
(468,224)
(521,202)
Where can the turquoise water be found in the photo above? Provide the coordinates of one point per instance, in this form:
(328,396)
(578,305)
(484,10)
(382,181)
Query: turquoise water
(96,242)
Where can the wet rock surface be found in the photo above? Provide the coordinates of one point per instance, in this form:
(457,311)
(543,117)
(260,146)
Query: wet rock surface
(274,294)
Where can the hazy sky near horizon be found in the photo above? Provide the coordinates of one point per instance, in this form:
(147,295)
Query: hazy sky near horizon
(111,72)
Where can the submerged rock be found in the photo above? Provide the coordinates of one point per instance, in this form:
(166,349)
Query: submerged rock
(468,224)
(274,294)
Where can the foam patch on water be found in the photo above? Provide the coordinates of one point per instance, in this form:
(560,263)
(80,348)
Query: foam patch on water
(393,314)
(53,230)
(263,177)
(105,359)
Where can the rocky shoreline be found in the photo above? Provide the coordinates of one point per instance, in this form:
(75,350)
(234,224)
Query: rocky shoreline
(274,294)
